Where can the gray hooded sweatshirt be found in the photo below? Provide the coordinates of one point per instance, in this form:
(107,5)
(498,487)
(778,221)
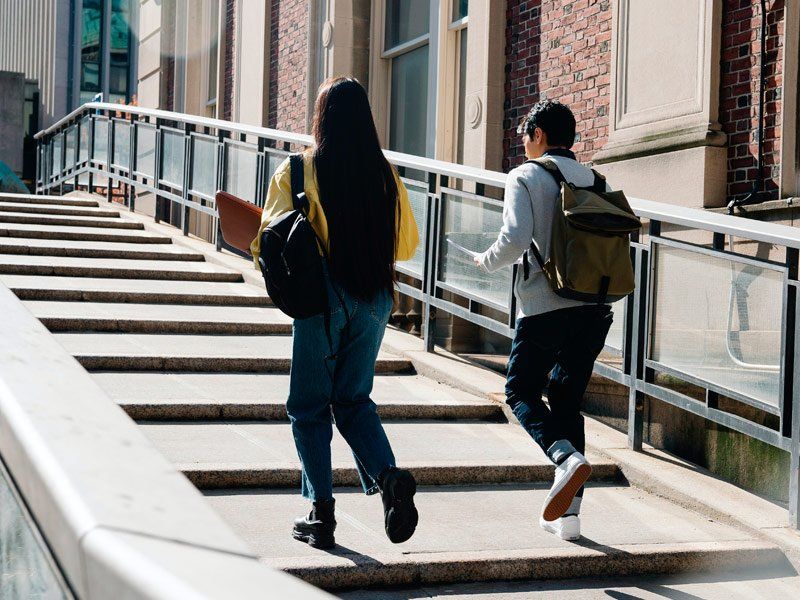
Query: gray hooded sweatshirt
(529,206)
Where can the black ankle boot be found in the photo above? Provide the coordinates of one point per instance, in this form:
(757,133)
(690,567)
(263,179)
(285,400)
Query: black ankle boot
(316,529)
(399,513)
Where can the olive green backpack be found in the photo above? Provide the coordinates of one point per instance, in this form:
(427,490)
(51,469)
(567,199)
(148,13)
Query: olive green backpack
(590,241)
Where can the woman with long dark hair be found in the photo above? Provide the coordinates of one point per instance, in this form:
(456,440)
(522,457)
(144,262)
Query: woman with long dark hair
(359,208)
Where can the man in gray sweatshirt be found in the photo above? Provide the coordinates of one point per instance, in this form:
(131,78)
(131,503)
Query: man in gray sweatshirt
(556,340)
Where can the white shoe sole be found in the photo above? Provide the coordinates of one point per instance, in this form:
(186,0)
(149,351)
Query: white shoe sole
(552,529)
(556,506)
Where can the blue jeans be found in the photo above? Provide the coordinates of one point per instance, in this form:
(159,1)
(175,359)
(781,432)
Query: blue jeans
(556,350)
(324,389)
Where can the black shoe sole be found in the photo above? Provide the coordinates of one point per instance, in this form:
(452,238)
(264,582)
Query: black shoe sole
(400,514)
(321,543)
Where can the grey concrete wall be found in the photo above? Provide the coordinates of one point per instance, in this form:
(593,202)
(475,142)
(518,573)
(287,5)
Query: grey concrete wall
(12,115)
(34,40)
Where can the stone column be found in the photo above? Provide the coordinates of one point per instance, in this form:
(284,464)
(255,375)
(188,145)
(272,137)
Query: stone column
(665,142)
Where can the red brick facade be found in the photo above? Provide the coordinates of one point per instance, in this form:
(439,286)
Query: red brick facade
(741,46)
(558,50)
(288,58)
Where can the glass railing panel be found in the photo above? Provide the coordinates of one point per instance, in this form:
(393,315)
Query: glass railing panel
(70,145)
(472,224)
(146,149)
(172,158)
(101,140)
(83,148)
(418,198)
(58,146)
(616,333)
(240,171)
(26,568)
(204,166)
(274,160)
(122,144)
(718,320)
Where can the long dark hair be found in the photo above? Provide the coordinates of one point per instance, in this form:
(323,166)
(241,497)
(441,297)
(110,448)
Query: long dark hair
(357,189)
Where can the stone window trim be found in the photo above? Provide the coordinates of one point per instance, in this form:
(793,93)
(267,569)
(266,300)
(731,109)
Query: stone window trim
(790,122)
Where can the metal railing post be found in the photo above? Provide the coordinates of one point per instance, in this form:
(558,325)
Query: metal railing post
(430,266)
(638,339)
(188,157)
(110,159)
(91,152)
(790,418)
(157,176)
(132,162)
(221,178)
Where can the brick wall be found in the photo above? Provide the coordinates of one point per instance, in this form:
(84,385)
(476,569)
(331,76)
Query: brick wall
(741,46)
(229,59)
(560,51)
(287,85)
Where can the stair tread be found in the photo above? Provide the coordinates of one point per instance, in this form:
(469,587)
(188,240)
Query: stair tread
(154,286)
(54,200)
(482,522)
(232,445)
(118,247)
(113,263)
(45,219)
(742,584)
(226,388)
(52,209)
(155,312)
(216,346)
(21,230)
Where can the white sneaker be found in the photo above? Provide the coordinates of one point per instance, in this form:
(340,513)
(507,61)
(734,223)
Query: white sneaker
(567,528)
(570,476)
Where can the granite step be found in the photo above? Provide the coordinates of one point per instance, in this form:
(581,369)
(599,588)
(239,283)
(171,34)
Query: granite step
(89,289)
(99,222)
(90,234)
(96,249)
(50,209)
(480,533)
(159,318)
(740,583)
(206,353)
(254,396)
(116,268)
(257,454)
(50,200)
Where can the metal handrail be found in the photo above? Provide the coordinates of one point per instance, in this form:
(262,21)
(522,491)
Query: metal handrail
(439,191)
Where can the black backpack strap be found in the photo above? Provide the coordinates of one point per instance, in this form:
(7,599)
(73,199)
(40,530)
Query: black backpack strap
(551,167)
(296,169)
(599,184)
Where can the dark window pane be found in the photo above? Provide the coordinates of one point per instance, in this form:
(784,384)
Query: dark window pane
(462,94)
(90,77)
(459,9)
(118,79)
(406,20)
(408,118)
(91,34)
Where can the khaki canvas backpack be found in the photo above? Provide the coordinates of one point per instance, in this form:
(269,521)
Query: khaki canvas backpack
(590,241)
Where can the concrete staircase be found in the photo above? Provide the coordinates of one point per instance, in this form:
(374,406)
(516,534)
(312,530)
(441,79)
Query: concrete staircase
(200,359)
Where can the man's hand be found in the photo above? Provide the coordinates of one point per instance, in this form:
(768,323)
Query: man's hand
(477,260)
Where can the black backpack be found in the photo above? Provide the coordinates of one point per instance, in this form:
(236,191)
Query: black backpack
(290,259)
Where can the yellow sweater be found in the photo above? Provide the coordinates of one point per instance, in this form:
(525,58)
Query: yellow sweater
(279,201)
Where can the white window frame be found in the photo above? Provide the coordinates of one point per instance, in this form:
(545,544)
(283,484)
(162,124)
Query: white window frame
(431,39)
(210,29)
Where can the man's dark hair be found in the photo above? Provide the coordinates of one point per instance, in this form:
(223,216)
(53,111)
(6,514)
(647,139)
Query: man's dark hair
(555,119)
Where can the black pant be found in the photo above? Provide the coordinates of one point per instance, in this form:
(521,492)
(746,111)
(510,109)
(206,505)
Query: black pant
(561,345)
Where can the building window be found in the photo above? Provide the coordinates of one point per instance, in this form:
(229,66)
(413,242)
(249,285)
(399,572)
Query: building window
(91,50)
(458,25)
(407,42)
(211,22)
(119,69)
